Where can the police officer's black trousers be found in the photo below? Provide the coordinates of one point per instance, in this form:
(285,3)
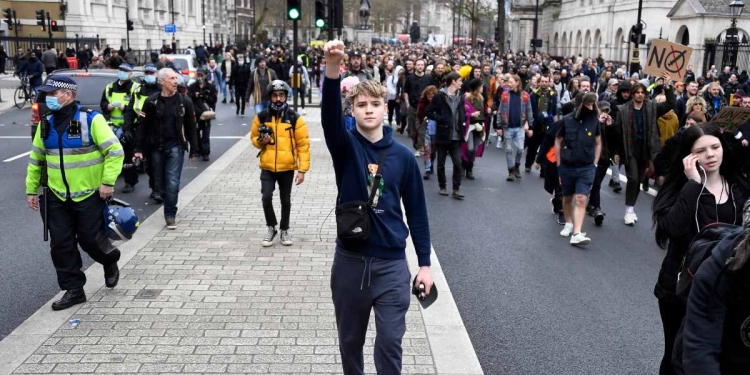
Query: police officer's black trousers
(268,182)
(77,223)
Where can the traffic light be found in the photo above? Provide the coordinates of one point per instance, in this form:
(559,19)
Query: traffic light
(293,9)
(130,25)
(320,14)
(637,35)
(53,25)
(8,14)
(414,32)
(41,20)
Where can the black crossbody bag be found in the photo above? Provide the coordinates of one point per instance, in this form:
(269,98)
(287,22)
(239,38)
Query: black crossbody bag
(353,218)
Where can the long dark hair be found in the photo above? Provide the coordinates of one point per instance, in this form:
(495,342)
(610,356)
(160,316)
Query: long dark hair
(676,179)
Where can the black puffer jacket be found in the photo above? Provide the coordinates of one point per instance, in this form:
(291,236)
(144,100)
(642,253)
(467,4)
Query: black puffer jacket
(679,224)
(440,111)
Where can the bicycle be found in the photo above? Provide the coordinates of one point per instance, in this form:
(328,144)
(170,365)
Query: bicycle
(24,93)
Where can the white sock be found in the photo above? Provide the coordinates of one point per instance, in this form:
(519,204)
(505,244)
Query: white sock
(629,209)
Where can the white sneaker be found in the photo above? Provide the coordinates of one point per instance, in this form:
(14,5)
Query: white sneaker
(630,218)
(567,230)
(418,154)
(580,239)
(499,143)
(286,238)
(270,235)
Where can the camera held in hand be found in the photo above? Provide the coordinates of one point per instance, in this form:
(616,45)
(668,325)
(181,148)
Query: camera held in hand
(137,164)
(264,130)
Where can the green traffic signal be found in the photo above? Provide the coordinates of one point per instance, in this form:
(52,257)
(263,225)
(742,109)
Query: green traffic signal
(293,14)
(320,23)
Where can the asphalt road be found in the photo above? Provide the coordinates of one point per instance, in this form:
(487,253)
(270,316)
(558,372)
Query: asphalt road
(531,302)
(27,277)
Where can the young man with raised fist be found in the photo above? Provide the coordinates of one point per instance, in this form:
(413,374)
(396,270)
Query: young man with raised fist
(371,272)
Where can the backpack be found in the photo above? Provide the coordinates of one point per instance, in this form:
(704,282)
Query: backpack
(699,250)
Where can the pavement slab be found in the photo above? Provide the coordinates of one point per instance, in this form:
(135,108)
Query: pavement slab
(207,298)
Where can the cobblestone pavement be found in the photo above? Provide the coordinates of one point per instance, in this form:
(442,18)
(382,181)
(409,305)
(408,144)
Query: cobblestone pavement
(207,298)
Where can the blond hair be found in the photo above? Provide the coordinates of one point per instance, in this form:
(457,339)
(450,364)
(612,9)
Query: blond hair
(696,100)
(369,88)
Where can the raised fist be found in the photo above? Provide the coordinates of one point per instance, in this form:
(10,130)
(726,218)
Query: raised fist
(334,52)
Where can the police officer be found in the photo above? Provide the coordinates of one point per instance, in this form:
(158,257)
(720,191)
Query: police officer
(284,147)
(149,87)
(577,148)
(204,96)
(117,99)
(83,158)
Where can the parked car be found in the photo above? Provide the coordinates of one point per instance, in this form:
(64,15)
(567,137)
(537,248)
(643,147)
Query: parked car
(90,83)
(186,64)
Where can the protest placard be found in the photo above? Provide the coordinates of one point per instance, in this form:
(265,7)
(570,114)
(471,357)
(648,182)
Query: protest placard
(665,56)
(731,118)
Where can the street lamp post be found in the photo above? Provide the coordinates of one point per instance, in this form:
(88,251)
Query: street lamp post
(732,39)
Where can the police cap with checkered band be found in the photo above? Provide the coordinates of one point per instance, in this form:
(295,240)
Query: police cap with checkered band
(57,82)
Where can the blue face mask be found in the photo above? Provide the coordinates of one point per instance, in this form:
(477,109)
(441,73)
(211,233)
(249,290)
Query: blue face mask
(150,79)
(52,103)
(123,76)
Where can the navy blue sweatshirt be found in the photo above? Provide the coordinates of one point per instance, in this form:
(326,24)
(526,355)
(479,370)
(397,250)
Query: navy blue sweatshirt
(353,157)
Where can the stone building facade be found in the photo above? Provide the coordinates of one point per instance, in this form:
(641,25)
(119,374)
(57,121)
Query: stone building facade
(592,27)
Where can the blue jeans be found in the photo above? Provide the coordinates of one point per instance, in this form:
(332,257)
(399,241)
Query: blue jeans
(261,106)
(514,139)
(167,167)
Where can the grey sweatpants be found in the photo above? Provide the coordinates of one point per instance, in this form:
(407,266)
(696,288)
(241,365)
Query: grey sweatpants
(359,284)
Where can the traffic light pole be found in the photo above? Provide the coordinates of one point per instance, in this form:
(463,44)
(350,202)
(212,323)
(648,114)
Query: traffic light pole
(331,14)
(536,28)
(49,28)
(635,57)
(127,24)
(295,52)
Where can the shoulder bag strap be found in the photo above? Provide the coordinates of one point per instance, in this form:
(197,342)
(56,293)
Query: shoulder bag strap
(376,180)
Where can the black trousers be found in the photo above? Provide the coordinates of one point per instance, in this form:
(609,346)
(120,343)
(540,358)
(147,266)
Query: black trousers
(454,149)
(532,145)
(394,107)
(129,175)
(268,182)
(49,70)
(239,99)
(595,199)
(672,313)
(73,224)
(634,169)
(204,137)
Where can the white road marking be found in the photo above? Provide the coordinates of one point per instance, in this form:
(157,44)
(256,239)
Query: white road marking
(228,137)
(17,157)
(315,139)
(624,182)
(15,137)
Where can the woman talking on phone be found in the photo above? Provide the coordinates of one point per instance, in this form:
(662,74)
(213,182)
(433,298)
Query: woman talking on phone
(703,186)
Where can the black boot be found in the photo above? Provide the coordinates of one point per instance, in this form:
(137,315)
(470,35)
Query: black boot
(156,197)
(111,275)
(224,101)
(70,298)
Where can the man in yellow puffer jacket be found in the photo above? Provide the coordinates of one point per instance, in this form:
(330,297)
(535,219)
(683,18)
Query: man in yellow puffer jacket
(281,135)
